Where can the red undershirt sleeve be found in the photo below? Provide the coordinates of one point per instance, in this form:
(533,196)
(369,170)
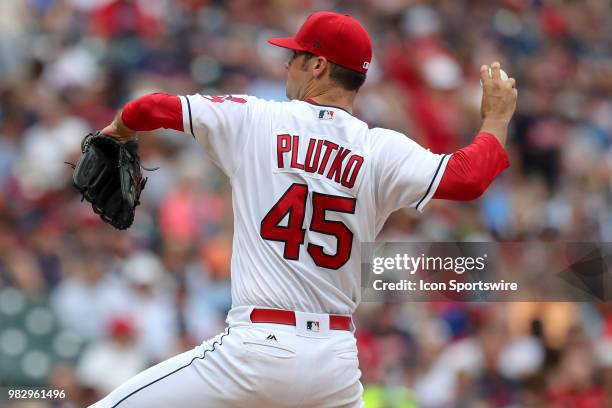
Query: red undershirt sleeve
(472,169)
(153,111)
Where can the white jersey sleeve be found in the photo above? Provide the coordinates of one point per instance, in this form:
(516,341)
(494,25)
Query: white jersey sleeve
(218,123)
(407,174)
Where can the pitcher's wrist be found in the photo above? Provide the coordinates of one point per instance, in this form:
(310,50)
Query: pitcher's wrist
(497,127)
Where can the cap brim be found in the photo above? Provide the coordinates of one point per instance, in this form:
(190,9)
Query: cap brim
(286,42)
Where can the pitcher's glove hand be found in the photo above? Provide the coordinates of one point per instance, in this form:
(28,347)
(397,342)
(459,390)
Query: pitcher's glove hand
(109,176)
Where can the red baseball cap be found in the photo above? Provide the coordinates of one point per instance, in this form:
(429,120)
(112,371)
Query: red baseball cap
(338,37)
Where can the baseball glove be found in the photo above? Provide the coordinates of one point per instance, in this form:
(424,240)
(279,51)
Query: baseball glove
(109,176)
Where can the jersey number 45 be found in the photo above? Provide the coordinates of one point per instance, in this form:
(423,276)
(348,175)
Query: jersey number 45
(293,202)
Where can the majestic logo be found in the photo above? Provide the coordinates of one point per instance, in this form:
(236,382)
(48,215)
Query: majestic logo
(312,326)
(326,115)
(271,337)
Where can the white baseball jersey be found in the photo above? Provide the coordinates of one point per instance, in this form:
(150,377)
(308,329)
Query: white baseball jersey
(309,184)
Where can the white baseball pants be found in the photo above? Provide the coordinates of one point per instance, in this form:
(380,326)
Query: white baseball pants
(253,365)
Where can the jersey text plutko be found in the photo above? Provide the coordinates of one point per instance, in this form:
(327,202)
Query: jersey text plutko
(343,168)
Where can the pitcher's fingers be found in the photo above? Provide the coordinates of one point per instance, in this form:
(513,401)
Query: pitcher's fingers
(495,68)
(510,82)
(484,75)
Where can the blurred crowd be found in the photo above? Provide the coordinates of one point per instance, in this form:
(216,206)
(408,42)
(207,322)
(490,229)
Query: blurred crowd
(84,307)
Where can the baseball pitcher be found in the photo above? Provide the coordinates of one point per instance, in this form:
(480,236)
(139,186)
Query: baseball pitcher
(310,182)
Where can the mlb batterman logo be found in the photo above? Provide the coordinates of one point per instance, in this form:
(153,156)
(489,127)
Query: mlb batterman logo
(326,115)
(312,326)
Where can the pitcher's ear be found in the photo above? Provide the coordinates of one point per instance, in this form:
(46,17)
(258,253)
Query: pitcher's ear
(319,66)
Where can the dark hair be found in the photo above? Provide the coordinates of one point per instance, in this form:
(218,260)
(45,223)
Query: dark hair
(345,77)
